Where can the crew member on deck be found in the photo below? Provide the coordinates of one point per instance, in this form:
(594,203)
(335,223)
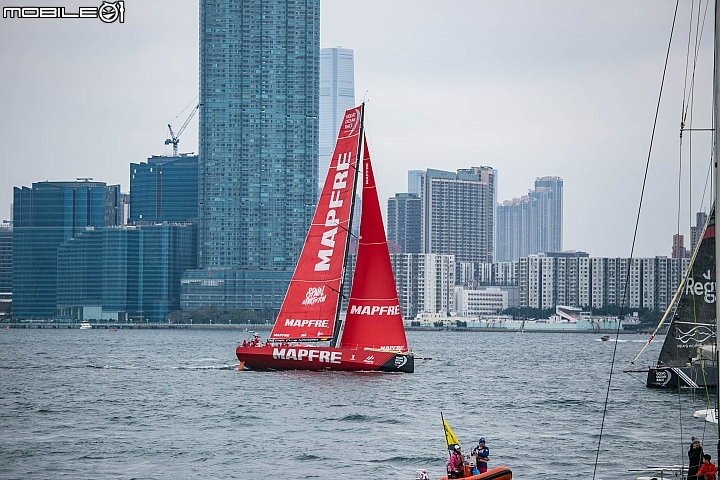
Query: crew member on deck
(456,464)
(482,455)
(707,469)
(695,455)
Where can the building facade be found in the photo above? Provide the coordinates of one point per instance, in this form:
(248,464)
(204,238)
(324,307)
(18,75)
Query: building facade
(477,302)
(337,94)
(404,219)
(6,269)
(425,283)
(532,223)
(258,149)
(44,217)
(124,273)
(164,189)
(577,280)
(459,213)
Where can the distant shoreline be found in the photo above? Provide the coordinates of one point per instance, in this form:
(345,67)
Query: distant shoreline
(266,327)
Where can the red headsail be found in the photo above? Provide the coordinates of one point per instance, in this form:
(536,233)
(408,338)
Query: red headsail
(373,317)
(310,305)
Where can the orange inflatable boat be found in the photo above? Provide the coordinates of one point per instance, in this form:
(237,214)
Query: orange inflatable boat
(497,473)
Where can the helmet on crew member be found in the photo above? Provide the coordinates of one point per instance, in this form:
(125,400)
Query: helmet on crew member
(457,447)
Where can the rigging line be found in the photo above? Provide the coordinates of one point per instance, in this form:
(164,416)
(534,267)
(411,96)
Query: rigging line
(687,64)
(699,29)
(193,101)
(632,249)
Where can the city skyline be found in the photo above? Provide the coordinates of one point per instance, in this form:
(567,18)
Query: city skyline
(529,89)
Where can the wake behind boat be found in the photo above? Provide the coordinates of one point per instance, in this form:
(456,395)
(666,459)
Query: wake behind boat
(372,337)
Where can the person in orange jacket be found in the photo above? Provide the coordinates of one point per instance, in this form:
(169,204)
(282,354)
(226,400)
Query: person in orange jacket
(707,469)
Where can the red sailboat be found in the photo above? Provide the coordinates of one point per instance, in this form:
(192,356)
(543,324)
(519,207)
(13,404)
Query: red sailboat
(308,333)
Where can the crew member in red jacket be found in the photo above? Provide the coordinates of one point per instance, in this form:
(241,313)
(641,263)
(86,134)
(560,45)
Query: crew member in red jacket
(707,469)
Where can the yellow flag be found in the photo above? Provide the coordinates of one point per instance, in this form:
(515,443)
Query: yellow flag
(450,438)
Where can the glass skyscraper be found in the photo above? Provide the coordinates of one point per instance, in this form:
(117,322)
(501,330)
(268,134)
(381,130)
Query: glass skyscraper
(164,189)
(258,149)
(337,94)
(44,217)
(124,273)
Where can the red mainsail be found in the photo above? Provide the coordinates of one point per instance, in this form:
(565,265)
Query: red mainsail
(310,306)
(373,318)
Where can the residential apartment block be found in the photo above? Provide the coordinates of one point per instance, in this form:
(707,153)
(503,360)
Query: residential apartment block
(532,223)
(459,213)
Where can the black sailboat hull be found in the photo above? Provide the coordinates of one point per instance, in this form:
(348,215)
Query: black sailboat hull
(682,377)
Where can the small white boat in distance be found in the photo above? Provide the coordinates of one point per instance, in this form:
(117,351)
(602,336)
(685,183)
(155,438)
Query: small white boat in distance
(85,325)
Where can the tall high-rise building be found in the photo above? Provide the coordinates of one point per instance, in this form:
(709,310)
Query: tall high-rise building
(404,214)
(337,94)
(416,182)
(532,223)
(258,149)
(696,231)
(549,195)
(44,217)
(164,189)
(459,213)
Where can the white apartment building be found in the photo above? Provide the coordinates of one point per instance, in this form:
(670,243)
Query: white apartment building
(474,303)
(578,280)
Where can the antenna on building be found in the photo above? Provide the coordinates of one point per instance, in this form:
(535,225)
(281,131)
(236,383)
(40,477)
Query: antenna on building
(83,179)
(175,139)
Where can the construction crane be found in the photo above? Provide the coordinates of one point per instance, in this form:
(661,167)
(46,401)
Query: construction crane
(175,139)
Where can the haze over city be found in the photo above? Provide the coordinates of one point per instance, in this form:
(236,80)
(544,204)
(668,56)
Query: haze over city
(529,88)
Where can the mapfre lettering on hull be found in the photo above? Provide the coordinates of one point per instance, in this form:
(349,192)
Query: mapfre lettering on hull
(331,220)
(375,310)
(309,355)
(289,322)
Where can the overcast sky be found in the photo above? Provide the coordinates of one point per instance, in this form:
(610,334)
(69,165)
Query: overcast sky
(562,88)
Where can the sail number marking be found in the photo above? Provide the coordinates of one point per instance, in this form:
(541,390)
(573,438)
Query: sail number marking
(322,356)
(331,220)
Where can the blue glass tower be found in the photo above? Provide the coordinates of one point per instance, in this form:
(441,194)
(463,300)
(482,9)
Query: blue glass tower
(164,189)
(124,273)
(258,158)
(44,217)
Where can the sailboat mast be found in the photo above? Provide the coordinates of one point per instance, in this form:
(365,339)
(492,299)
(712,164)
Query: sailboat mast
(716,122)
(338,327)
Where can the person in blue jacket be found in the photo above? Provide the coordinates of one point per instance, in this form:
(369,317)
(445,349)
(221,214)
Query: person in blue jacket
(482,455)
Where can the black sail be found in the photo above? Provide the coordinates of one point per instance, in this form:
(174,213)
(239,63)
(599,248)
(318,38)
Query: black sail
(693,324)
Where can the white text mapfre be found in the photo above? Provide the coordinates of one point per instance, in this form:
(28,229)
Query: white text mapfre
(375,310)
(322,356)
(331,219)
(108,12)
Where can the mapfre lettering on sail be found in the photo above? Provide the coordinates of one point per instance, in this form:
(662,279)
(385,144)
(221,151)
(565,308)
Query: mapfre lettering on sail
(339,188)
(375,310)
(309,309)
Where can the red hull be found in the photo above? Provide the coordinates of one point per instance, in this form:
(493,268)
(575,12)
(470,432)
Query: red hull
(497,473)
(311,357)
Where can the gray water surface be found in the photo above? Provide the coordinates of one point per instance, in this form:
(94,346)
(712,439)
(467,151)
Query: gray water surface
(170,404)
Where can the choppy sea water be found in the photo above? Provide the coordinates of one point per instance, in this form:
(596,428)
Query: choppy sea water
(170,404)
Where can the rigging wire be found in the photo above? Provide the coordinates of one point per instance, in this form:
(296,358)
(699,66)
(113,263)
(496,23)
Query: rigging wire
(632,249)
